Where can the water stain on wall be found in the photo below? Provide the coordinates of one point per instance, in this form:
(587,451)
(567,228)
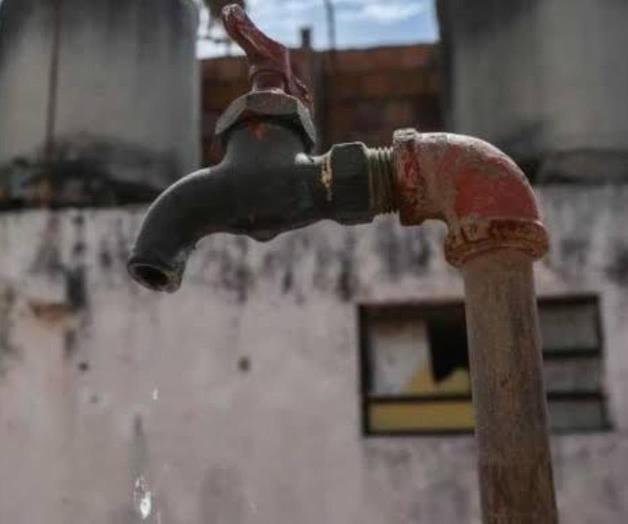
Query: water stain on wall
(7,347)
(574,251)
(348,281)
(308,259)
(84,171)
(71,306)
(617,268)
(402,251)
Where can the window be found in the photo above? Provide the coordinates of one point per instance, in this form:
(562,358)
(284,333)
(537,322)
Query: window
(415,367)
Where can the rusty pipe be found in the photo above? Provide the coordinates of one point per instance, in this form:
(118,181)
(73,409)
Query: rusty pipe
(482,195)
(514,459)
(494,235)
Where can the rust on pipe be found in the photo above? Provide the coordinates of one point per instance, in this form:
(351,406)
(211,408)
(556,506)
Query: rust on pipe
(515,470)
(494,235)
(480,193)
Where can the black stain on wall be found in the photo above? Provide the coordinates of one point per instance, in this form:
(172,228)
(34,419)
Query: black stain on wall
(574,250)
(287,282)
(70,345)
(47,258)
(235,273)
(84,171)
(388,246)
(617,269)
(286,258)
(7,304)
(418,250)
(306,260)
(76,288)
(244,364)
(402,252)
(75,273)
(323,264)
(348,280)
(105,258)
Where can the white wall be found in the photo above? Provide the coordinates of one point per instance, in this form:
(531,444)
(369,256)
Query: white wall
(164,396)
(541,79)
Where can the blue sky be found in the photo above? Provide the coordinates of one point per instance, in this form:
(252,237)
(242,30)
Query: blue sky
(359,23)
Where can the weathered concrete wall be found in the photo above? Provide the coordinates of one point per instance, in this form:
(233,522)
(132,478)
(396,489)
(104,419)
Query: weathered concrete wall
(237,398)
(541,79)
(127,103)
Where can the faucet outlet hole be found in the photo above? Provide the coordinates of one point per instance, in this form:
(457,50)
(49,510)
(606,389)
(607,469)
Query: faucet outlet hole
(151,276)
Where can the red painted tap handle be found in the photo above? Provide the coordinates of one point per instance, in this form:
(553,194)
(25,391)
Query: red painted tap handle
(270,64)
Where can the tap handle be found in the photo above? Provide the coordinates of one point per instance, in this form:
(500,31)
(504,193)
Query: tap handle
(269,61)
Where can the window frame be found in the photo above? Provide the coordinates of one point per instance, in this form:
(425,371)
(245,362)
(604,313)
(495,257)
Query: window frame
(422,309)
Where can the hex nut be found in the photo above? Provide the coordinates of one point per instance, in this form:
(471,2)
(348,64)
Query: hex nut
(268,103)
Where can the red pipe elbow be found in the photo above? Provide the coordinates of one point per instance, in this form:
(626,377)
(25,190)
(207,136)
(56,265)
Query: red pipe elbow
(480,193)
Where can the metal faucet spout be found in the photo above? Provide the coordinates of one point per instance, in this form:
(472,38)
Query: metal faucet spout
(199,204)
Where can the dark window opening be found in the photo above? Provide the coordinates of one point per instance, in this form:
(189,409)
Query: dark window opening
(415,367)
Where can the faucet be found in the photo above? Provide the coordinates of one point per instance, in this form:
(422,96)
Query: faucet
(269,182)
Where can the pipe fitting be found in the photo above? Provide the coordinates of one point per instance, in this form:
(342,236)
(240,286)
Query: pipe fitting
(482,195)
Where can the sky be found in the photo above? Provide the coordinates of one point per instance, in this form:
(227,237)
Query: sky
(359,23)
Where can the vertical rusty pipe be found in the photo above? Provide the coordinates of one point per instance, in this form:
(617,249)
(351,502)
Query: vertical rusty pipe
(494,235)
(506,368)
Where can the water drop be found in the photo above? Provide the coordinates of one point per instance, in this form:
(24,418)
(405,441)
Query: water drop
(155,394)
(142,498)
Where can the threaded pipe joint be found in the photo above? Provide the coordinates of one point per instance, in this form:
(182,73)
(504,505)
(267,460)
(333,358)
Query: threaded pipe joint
(381,180)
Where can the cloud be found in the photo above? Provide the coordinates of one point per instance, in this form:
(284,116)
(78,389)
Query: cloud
(359,22)
(381,12)
(387,13)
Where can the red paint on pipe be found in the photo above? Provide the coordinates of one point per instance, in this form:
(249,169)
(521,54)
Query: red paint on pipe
(479,191)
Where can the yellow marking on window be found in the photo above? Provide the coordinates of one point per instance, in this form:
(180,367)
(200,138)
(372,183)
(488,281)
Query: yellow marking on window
(422,416)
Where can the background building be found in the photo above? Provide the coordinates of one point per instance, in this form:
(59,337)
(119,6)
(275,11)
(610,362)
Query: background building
(99,100)
(321,377)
